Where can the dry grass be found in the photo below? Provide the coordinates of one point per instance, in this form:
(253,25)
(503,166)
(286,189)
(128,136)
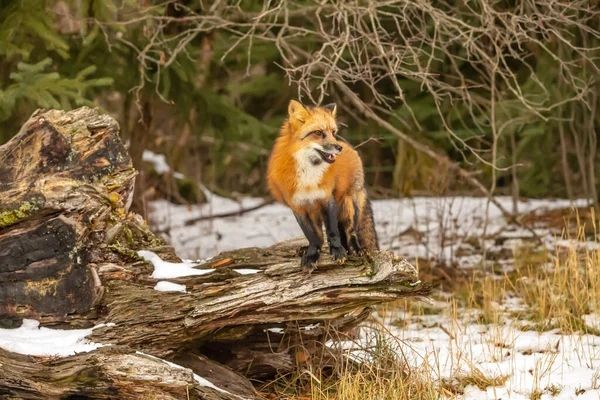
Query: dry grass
(477,378)
(557,290)
(384,376)
(561,295)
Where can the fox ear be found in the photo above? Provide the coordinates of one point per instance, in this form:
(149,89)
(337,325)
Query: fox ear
(297,111)
(331,107)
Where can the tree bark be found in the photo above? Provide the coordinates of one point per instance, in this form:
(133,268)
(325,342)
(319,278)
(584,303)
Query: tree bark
(68,258)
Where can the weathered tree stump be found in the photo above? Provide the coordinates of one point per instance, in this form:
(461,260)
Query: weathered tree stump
(68,258)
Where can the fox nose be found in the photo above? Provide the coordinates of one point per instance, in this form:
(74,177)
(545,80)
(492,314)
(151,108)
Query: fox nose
(338,147)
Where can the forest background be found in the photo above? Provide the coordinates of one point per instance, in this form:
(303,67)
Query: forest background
(440,97)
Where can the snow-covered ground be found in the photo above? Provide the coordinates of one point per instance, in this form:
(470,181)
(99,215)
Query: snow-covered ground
(425,227)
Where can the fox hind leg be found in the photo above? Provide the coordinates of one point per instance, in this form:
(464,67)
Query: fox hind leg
(348,221)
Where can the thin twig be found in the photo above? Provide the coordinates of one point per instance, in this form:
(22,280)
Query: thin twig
(371,139)
(228,214)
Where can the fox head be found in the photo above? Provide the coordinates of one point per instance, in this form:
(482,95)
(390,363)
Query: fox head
(314,131)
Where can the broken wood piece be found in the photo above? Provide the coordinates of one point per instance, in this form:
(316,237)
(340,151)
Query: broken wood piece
(222,263)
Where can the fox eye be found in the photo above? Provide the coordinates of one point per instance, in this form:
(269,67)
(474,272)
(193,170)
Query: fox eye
(319,133)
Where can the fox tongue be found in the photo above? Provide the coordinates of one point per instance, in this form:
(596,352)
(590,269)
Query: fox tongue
(330,157)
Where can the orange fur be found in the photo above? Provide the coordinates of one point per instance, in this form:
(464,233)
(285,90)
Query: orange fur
(307,188)
(282,177)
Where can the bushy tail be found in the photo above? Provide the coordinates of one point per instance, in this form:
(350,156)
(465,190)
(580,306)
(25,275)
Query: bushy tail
(367,235)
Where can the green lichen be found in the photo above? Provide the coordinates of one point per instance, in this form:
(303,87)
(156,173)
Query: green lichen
(407,284)
(371,270)
(126,253)
(129,236)
(26,209)
(71,156)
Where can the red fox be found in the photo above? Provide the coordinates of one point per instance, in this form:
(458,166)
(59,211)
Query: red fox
(322,180)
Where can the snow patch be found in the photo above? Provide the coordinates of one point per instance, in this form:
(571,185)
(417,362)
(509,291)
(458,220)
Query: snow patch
(247,271)
(169,270)
(159,162)
(281,331)
(310,327)
(166,286)
(275,330)
(30,339)
(575,244)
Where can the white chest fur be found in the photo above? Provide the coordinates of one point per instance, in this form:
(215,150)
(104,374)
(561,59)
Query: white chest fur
(309,177)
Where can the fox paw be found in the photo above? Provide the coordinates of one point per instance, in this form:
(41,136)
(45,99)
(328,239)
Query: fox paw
(309,259)
(339,254)
(352,252)
(354,247)
(308,265)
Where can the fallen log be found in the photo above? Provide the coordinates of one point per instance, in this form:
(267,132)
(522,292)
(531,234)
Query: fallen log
(113,372)
(73,256)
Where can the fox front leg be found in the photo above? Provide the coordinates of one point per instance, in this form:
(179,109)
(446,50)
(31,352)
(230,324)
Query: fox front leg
(330,212)
(312,229)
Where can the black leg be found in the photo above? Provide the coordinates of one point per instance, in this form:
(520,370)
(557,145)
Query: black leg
(330,212)
(314,233)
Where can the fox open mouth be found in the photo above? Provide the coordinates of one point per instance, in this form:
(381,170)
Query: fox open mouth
(327,157)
